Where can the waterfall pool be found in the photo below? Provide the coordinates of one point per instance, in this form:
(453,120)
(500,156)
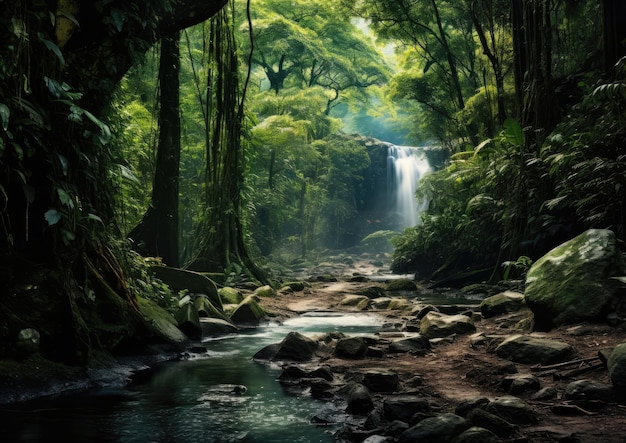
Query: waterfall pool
(193,400)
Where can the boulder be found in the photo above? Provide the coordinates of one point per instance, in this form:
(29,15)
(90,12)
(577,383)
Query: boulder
(215,327)
(477,434)
(295,286)
(502,303)
(517,384)
(359,400)
(265,291)
(359,302)
(188,321)
(573,282)
(296,347)
(351,347)
(371,291)
(513,410)
(401,284)
(495,424)
(399,304)
(420,311)
(206,309)
(404,406)
(418,345)
(440,428)
(248,312)
(435,324)
(533,350)
(617,366)
(381,380)
(589,390)
(160,326)
(230,295)
(381,302)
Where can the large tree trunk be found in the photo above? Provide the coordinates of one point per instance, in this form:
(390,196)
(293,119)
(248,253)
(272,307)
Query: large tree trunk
(157,234)
(614,12)
(61,62)
(220,234)
(532,40)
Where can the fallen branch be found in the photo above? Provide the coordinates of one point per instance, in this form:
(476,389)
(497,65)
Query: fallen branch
(575,372)
(563,364)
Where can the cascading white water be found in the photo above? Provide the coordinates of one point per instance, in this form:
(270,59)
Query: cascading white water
(405,166)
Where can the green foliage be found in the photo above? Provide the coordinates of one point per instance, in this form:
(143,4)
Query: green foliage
(134,138)
(478,209)
(305,44)
(142,283)
(586,161)
(517,268)
(379,241)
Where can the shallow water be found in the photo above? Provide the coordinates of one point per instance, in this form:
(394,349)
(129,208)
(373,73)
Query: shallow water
(193,400)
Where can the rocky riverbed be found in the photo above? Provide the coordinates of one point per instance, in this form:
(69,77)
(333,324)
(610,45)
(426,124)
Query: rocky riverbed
(398,386)
(458,388)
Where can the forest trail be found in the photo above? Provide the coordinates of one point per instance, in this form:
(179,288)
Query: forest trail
(458,369)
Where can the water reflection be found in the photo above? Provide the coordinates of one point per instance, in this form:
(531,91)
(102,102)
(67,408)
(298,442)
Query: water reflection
(196,400)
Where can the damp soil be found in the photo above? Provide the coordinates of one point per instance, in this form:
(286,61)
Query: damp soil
(462,368)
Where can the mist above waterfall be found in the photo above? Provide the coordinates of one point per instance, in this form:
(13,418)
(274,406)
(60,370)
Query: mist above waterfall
(405,166)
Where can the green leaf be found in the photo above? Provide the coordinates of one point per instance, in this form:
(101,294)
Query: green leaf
(64,164)
(68,236)
(52,47)
(105,132)
(513,132)
(91,216)
(6,197)
(29,192)
(52,216)
(118,18)
(127,174)
(5,112)
(65,198)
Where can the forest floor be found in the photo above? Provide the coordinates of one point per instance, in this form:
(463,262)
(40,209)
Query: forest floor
(458,369)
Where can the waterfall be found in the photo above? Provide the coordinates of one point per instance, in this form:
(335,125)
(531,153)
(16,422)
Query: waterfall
(405,166)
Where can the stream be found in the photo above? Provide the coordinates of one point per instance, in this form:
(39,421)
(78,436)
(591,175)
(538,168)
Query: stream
(193,400)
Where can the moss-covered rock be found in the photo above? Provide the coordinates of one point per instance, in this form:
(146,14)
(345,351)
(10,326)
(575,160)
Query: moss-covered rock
(248,312)
(295,286)
(188,321)
(507,301)
(206,309)
(572,283)
(401,284)
(359,302)
(159,326)
(617,366)
(265,291)
(435,324)
(230,296)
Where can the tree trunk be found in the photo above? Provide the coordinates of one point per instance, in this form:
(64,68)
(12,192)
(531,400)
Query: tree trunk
(157,234)
(56,197)
(490,53)
(614,14)
(221,241)
(533,71)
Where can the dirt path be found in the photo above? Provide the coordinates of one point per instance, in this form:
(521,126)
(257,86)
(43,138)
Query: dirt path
(457,369)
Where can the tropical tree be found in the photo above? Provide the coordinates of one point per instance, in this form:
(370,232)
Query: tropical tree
(157,234)
(220,235)
(307,44)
